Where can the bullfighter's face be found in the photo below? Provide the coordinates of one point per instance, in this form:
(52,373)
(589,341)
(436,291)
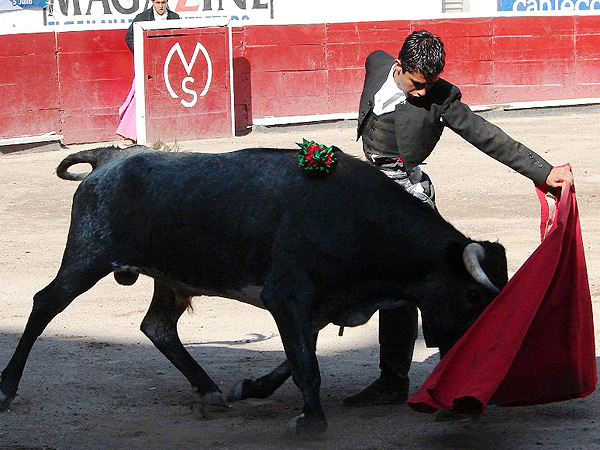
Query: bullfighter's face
(160,6)
(413,84)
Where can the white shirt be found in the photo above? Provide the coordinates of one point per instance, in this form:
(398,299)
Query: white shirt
(158,16)
(388,96)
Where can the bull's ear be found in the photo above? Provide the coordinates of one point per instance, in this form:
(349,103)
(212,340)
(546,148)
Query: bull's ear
(453,254)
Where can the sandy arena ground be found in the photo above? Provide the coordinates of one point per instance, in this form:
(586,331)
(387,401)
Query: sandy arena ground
(93,380)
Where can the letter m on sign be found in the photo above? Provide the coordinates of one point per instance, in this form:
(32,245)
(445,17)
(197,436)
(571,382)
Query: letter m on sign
(183,80)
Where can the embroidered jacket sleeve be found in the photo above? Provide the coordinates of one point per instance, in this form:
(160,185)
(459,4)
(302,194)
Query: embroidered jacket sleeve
(491,140)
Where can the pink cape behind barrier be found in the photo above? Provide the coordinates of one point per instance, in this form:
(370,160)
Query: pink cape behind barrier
(126,126)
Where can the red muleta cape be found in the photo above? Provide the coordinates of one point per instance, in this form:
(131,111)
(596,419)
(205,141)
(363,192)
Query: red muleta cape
(535,342)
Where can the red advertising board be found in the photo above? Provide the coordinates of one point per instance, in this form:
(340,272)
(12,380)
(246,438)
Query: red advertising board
(184,83)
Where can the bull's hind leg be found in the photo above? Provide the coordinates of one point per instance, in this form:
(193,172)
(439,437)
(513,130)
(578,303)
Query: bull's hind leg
(261,387)
(264,386)
(160,325)
(71,281)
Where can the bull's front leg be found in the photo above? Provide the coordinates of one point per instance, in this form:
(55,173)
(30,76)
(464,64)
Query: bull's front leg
(292,315)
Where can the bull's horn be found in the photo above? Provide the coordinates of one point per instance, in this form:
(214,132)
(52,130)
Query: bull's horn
(473,254)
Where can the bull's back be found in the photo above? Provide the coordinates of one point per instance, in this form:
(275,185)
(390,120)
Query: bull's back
(193,215)
(230,214)
(251,186)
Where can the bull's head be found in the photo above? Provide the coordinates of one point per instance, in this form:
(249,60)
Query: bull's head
(476,273)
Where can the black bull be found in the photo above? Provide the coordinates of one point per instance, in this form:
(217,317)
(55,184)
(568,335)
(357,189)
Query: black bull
(252,226)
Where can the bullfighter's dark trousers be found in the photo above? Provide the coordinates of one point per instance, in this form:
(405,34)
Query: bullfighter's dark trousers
(398,328)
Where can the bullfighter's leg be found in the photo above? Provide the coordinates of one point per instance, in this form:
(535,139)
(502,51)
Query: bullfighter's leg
(71,281)
(397,327)
(291,312)
(398,330)
(160,325)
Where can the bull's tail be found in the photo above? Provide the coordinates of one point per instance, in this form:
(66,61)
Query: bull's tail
(97,156)
(94,157)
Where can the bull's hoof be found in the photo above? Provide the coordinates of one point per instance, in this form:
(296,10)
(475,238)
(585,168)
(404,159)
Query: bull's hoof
(248,389)
(201,408)
(5,401)
(215,399)
(236,393)
(301,426)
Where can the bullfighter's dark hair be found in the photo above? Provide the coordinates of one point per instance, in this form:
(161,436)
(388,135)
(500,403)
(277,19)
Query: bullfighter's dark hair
(423,52)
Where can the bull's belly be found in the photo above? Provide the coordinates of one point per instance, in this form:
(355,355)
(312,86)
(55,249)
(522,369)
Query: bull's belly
(249,294)
(342,309)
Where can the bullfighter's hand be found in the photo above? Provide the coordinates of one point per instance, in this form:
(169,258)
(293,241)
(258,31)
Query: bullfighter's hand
(558,175)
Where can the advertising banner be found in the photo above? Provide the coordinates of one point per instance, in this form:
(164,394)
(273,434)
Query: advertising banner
(548,5)
(15,5)
(66,13)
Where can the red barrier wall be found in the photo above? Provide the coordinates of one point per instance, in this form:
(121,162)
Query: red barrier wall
(28,85)
(319,68)
(95,73)
(74,82)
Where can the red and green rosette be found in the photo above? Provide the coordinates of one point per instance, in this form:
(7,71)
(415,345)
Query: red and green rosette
(316,157)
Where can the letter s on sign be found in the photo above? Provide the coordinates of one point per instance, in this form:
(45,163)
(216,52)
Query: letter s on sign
(193,93)
(188,68)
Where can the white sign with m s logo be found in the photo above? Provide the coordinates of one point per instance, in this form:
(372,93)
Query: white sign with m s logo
(183,79)
(188,68)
